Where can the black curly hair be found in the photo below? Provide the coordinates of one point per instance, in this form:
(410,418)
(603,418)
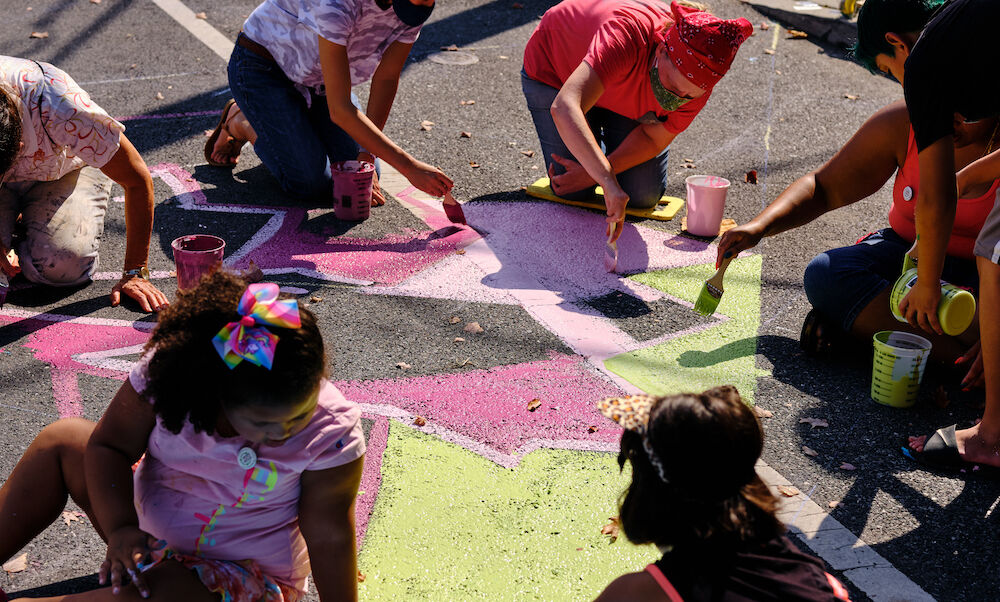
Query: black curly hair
(10,131)
(188,381)
(707,444)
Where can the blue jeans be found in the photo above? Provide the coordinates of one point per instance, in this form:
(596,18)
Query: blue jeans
(644,184)
(296,141)
(842,282)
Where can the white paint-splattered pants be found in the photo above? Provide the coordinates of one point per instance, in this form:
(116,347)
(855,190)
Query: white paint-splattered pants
(63,221)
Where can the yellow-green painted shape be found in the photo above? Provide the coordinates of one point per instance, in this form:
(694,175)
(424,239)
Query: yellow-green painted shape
(451,525)
(723,354)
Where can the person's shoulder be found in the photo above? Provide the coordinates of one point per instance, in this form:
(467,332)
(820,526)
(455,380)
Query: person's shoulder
(633,587)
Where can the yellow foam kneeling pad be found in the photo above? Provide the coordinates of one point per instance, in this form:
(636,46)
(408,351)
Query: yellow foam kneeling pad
(664,211)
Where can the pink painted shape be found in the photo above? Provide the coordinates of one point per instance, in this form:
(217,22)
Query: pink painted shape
(388,260)
(371,477)
(490,406)
(55,343)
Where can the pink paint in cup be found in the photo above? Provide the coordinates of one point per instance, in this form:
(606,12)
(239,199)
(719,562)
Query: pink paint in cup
(706,202)
(196,255)
(352,189)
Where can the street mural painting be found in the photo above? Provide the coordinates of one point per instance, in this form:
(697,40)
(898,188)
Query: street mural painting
(495,474)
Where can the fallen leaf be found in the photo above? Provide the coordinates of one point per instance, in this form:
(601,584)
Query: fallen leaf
(528,153)
(458,340)
(455,320)
(200,15)
(425,126)
(762,413)
(851,96)
(159,96)
(465,135)
(361,577)
(473,164)
(315,299)
(750,177)
(788,490)
(768,51)
(592,429)
(39,35)
(809,451)
(612,529)
(459,251)
(814,422)
(473,328)
(467,102)
(847,466)
(940,398)
(17,565)
(452,48)
(420,421)
(833,504)
(795,34)
(71,517)
(403,366)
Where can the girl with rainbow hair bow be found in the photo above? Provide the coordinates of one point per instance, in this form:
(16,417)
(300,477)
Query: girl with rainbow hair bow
(247,460)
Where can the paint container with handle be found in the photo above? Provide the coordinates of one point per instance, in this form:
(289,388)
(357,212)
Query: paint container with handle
(352,189)
(706,202)
(196,255)
(898,367)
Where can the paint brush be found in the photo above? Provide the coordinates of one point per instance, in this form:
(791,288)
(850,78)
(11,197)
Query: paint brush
(611,250)
(453,210)
(711,292)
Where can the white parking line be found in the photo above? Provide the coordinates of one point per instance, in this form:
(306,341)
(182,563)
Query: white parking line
(827,537)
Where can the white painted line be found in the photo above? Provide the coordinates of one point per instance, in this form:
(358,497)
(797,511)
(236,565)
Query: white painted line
(199,28)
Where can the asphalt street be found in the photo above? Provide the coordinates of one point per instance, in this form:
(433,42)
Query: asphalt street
(786,106)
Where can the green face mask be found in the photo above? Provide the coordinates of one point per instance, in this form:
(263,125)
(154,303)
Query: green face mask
(666,99)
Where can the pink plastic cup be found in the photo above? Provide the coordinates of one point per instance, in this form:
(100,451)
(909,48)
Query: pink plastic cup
(196,255)
(706,201)
(352,189)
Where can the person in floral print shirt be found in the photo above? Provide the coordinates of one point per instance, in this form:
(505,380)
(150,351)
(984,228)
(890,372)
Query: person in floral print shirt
(59,153)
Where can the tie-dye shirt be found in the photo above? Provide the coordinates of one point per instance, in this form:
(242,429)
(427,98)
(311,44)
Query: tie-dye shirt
(289,30)
(62,128)
(191,491)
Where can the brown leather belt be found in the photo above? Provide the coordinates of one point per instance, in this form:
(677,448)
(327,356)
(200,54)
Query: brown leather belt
(254,47)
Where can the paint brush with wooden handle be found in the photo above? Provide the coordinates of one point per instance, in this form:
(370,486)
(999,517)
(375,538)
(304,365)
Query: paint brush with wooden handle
(453,210)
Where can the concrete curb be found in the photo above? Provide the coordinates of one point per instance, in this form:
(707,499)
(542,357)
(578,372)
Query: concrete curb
(822,22)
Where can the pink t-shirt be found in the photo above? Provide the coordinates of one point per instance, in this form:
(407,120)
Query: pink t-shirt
(616,38)
(191,492)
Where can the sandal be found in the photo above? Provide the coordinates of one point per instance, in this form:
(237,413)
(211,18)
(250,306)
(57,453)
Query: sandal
(219,129)
(819,335)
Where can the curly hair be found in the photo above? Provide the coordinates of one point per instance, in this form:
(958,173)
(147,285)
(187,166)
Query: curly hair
(10,131)
(708,444)
(188,381)
(879,17)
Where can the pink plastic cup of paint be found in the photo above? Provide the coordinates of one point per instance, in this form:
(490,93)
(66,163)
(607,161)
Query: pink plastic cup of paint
(196,255)
(706,201)
(352,189)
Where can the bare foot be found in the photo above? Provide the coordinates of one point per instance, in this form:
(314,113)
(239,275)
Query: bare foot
(232,138)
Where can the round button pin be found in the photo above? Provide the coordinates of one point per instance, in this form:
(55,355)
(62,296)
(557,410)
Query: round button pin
(246,458)
(907,194)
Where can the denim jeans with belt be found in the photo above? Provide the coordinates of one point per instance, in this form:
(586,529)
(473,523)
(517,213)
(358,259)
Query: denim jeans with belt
(644,184)
(296,140)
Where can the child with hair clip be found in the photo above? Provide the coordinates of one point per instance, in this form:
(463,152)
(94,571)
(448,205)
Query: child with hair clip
(696,495)
(247,460)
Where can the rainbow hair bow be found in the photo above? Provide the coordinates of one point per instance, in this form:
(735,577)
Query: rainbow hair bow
(259,305)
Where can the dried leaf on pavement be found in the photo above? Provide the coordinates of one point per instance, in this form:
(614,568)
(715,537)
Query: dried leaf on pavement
(420,421)
(762,413)
(809,451)
(788,490)
(17,564)
(534,404)
(473,328)
(39,35)
(814,422)
(612,529)
(847,466)
(403,366)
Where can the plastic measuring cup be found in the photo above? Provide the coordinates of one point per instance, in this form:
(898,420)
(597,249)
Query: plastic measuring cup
(706,201)
(352,189)
(898,367)
(196,255)
(956,309)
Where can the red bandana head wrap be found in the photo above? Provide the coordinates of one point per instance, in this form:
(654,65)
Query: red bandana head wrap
(702,45)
